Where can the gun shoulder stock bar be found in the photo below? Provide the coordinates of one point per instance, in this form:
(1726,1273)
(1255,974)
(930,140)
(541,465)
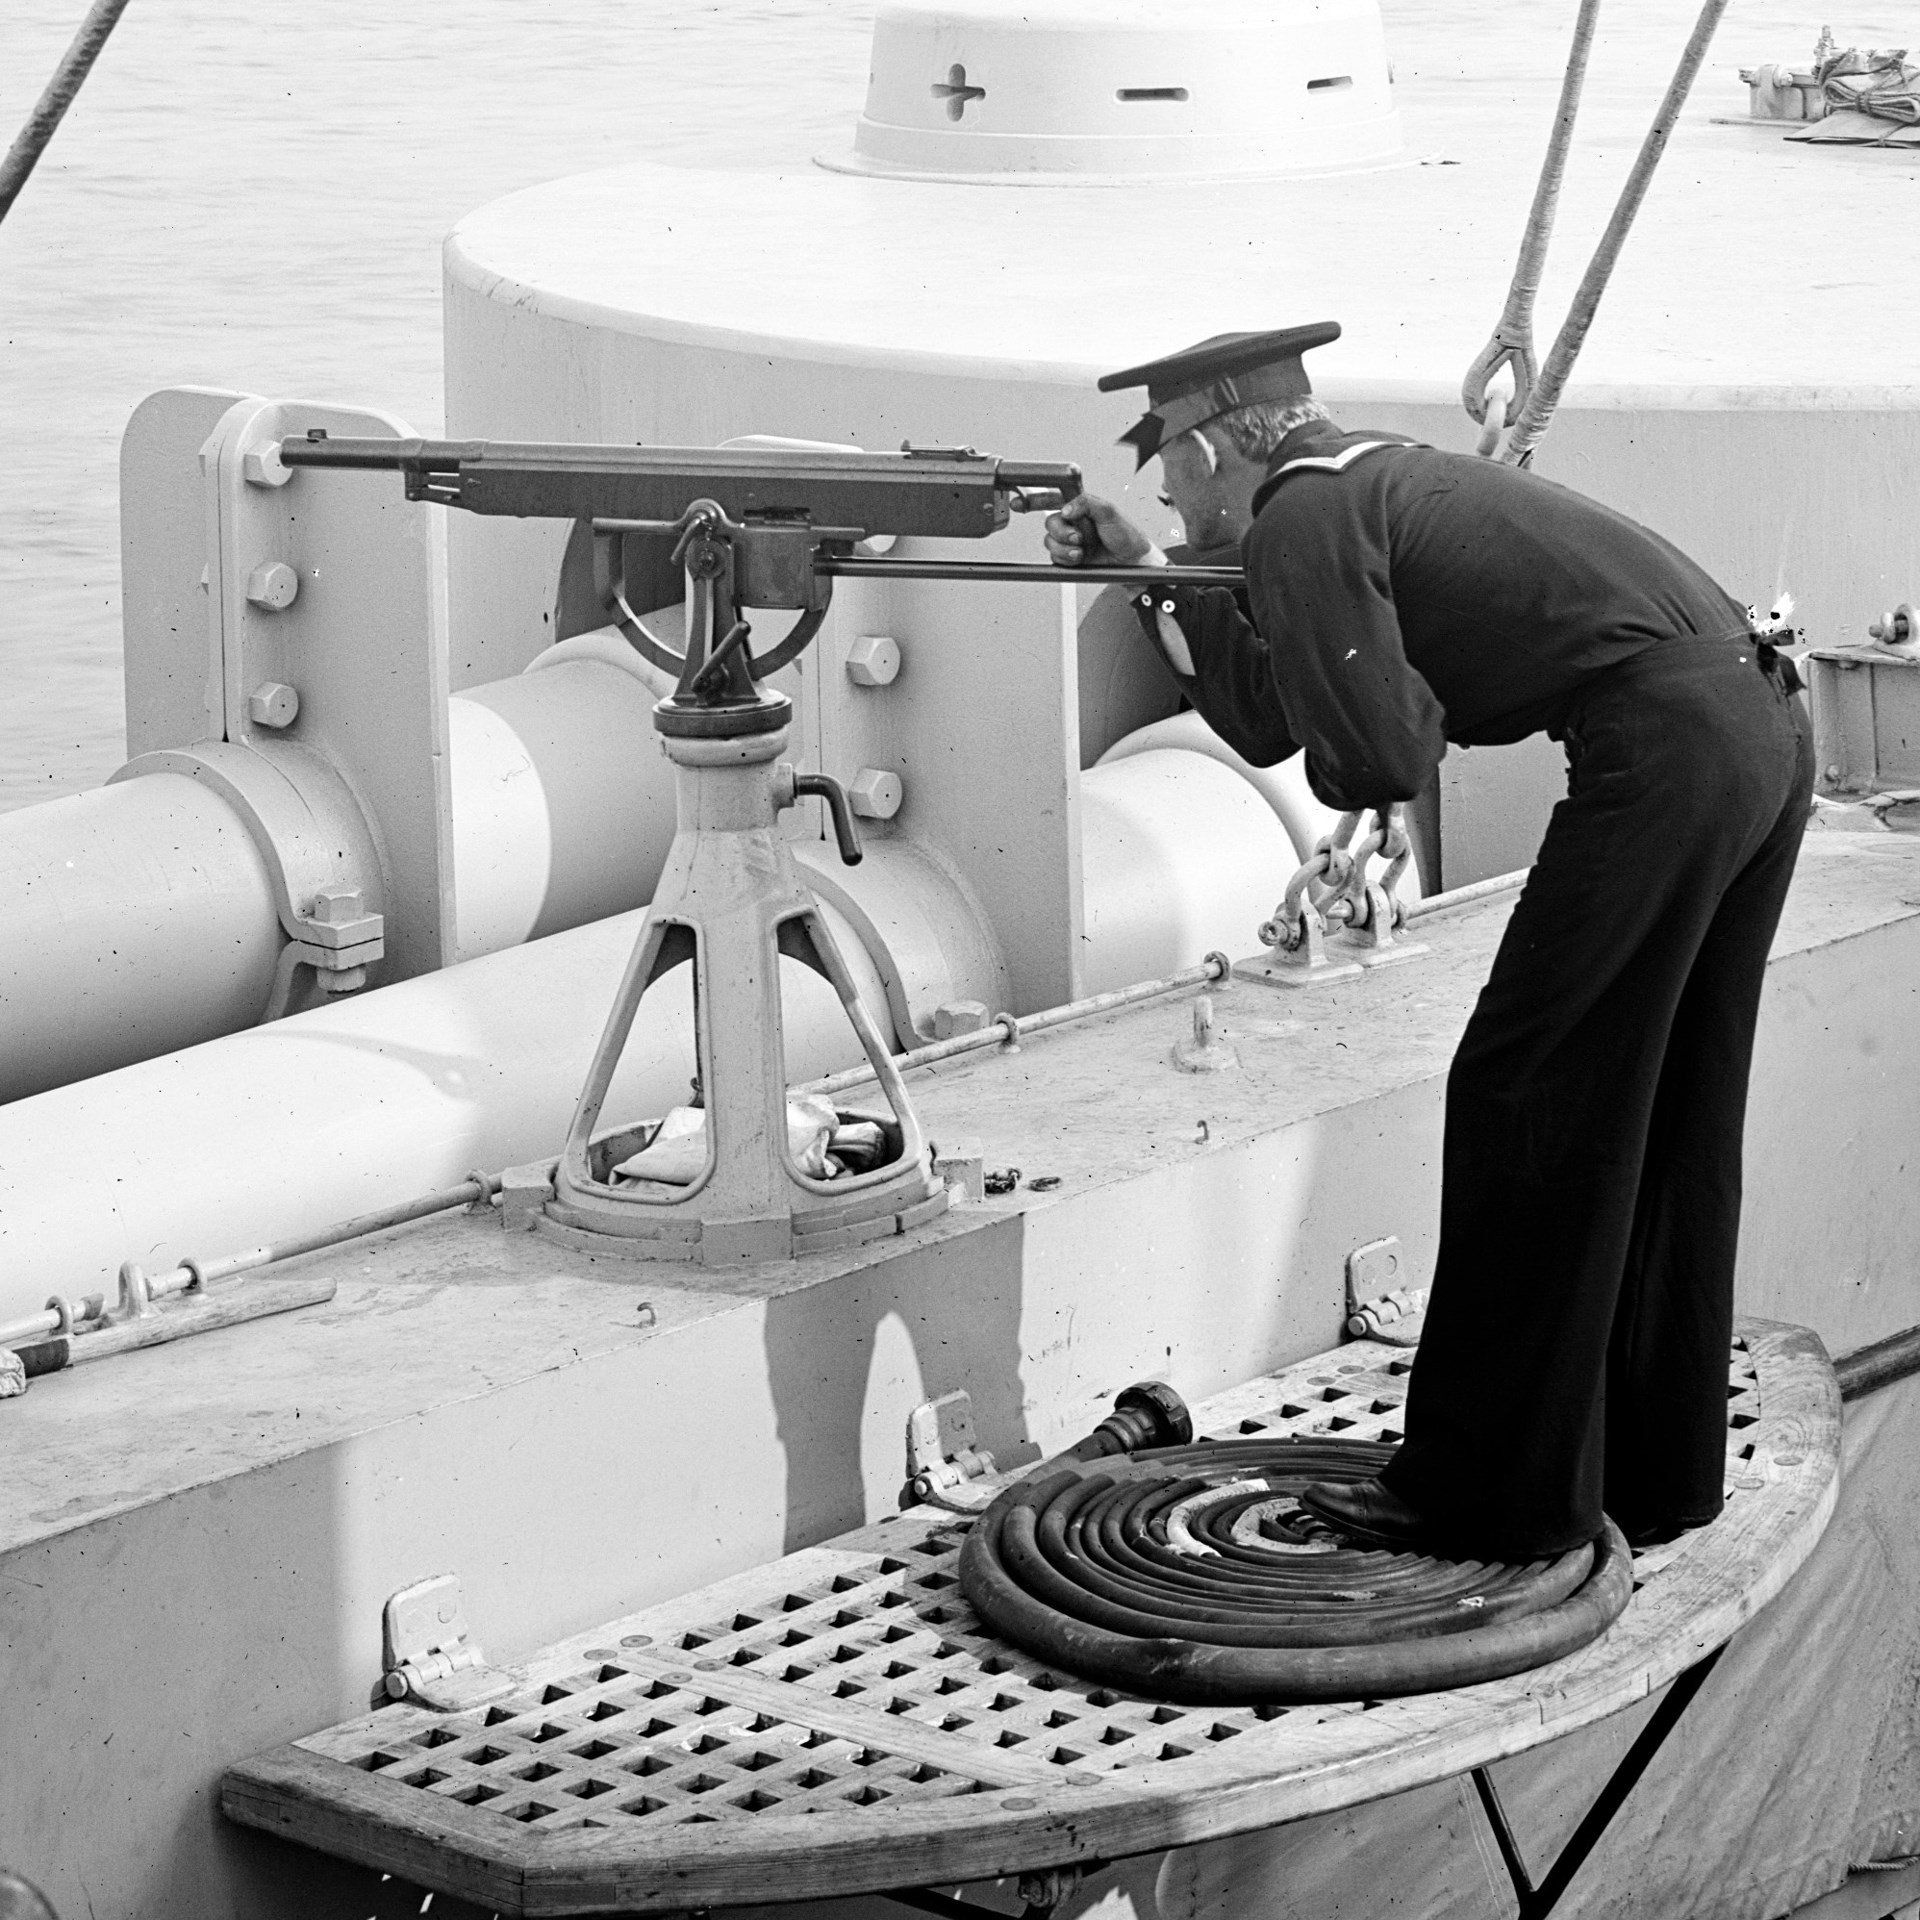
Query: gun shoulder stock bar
(931,491)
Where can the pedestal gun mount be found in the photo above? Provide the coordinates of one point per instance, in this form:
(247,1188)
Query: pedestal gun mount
(748,1171)
(730,903)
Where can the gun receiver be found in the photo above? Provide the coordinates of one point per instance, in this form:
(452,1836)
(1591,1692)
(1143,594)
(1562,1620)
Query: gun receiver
(945,492)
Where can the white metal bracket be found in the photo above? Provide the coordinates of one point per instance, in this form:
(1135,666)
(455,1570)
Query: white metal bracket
(942,1454)
(286,642)
(1334,921)
(1379,943)
(1380,1304)
(1313,963)
(428,1655)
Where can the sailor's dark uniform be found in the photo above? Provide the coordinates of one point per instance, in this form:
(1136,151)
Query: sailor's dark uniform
(1402,598)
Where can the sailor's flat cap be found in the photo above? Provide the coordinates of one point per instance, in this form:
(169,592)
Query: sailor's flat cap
(1198,384)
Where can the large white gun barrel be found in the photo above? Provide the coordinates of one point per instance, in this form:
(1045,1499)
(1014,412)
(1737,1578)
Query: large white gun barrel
(563,804)
(140,918)
(137,918)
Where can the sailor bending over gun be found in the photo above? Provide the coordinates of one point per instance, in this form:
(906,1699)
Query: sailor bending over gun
(1399,598)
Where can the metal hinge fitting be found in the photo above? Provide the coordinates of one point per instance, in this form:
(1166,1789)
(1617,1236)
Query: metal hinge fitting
(1380,1305)
(428,1656)
(941,1452)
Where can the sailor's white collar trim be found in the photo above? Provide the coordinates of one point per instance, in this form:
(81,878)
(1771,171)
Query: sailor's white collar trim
(1332,462)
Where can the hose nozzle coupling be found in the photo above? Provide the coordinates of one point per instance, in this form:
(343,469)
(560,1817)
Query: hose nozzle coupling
(1147,1414)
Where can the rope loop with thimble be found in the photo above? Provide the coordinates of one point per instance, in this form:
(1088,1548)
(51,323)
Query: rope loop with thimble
(1511,427)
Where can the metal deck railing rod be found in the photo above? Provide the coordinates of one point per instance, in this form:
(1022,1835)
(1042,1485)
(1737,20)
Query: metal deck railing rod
(1008,1030)
(475,1188)
(36,1326)
(1467,895)
(78,1314)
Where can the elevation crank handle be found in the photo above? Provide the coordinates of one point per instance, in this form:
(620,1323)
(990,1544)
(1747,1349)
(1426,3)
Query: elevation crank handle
(835,795)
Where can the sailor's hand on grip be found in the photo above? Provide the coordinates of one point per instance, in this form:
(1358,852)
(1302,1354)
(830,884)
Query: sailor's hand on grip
(1089,531)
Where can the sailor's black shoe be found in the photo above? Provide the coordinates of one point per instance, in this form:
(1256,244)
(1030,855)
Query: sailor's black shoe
(1659,1533)
(1368,1510)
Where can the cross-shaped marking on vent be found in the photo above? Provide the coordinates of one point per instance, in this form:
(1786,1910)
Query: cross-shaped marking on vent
(956,92)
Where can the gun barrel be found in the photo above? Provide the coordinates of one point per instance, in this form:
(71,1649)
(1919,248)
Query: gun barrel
(319,449)
(938,492)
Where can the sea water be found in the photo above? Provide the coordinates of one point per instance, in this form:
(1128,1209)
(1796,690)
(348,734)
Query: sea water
(254,197)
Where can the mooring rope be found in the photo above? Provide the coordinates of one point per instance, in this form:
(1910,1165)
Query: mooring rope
(1514,444)
(1511,343)
(50,109)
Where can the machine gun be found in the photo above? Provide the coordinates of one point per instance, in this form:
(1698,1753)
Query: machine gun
(766,526)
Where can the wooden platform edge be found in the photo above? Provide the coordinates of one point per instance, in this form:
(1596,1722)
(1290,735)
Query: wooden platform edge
(1328,1766)
(301,1797)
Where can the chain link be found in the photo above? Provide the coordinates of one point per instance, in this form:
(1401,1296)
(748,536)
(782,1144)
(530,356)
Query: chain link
(1332,888)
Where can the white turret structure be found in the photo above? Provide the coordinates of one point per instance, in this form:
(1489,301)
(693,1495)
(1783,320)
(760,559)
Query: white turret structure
(1090,93)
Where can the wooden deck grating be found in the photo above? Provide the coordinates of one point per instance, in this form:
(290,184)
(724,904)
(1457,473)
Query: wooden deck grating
(866,1682)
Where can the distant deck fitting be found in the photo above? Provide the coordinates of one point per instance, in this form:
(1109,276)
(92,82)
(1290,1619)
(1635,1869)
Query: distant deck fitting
(840,1721)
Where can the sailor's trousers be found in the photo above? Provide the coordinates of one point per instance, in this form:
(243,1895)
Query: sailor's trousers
(1575,1351)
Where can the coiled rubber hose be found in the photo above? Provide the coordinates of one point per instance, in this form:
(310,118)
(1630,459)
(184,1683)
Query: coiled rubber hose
(1189,1573)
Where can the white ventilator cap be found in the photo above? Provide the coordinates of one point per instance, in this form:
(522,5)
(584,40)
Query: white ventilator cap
(1074,92)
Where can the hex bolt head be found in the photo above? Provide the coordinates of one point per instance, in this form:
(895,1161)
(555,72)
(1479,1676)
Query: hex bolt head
(273,704)
(273,585)
(336,906)
(875,794)
(263,467)
(873,660)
